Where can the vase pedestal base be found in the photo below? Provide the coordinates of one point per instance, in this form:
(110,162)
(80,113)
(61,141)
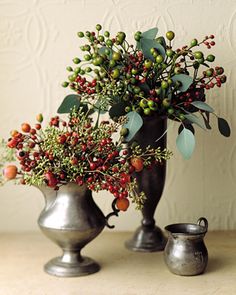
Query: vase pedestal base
(147,239)
(59,268)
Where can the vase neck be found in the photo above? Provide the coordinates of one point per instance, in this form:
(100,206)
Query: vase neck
(49,194)
(73,190)
(153,132)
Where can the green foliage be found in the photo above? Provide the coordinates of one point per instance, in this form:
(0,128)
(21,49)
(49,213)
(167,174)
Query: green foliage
(151,79)
(185,142)
(196,120)
(150,34)
(203,106)
(133,124)
(185,81)
(68,103)
(147,44)
(223,127)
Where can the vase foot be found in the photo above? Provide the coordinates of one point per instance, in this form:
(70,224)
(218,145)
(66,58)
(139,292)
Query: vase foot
(147,239)
(59,268)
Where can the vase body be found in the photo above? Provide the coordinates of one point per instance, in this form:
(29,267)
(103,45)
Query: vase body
(71,219)
(185,253)
(149,237)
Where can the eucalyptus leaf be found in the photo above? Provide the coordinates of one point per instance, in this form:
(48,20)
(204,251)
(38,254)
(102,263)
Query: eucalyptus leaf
(147,44)
(68,103)
(150,34)
(185,142)
(133,124)
(202,106)
(101,51)
(223,127)
(162,41)
(185,80)
(187,126)
(196,120)
(138,45)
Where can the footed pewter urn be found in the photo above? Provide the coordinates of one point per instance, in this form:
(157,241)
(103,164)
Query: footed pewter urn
(71,219)
(149,237)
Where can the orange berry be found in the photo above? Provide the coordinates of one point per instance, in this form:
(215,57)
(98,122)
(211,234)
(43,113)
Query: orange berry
(137,163)
(39,118)
(10,172)
(25,127)
(122,204)
(14,133)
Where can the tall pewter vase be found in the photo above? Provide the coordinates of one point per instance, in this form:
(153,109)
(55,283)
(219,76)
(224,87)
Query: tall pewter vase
(148,237)
(71,219)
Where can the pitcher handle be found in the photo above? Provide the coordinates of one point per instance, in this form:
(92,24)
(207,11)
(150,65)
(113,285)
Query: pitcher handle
(204,221)
(113,213)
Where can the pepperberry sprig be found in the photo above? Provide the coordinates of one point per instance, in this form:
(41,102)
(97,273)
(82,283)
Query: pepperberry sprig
(77,151)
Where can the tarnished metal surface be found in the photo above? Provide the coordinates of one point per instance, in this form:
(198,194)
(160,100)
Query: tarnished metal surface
(71,219)
(185,252)
(148,237)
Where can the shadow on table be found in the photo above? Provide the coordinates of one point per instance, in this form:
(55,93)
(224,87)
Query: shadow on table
(216,264)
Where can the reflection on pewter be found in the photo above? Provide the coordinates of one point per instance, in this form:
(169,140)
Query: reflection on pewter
(185,252)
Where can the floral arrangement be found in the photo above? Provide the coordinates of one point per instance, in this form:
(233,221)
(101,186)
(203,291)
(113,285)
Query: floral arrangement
(81,152)
(149,78)
(130,82)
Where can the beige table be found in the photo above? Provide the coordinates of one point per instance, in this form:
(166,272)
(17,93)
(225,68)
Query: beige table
(123,272)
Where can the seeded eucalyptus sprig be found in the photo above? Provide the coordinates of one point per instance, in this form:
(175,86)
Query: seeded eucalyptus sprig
(149,77)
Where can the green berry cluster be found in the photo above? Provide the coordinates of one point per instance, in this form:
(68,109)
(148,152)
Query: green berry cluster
(149,78)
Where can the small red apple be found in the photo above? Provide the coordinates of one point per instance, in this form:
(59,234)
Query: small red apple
(122,204)
(137,163)
(10,172)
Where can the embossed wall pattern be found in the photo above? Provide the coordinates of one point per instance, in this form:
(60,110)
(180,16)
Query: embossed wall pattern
(38,40)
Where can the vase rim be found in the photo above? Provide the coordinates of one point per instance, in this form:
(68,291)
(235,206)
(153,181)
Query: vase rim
(186,229)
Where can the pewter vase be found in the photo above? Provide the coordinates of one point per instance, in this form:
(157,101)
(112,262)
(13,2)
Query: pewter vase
(149,237)
(71,219)
(185,253)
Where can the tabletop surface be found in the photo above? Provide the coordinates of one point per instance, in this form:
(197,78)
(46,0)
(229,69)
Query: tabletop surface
(122,272)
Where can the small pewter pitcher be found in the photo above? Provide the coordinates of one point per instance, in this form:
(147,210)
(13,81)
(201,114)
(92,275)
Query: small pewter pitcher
(185,253)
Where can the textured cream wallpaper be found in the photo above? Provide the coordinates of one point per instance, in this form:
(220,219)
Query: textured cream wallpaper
(38,40)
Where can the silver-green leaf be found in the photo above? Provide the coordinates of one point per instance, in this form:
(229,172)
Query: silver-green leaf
(185,142)
(185,80)
(147,44)
(196,120)
(150,34)
(202,106)
(133,124)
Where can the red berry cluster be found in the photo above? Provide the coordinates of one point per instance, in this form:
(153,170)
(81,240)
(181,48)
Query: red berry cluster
(209,43)
(187,97)
(76,151)
(213,77)
(82,85)
(149,78)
